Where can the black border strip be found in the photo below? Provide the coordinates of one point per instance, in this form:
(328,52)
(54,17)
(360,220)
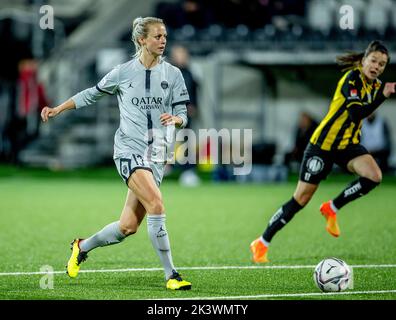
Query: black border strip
(103,91)
(180,102)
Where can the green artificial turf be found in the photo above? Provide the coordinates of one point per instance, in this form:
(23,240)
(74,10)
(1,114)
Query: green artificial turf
(210,228)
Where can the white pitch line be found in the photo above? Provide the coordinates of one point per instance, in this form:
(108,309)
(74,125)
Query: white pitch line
(363,266)
(286,295)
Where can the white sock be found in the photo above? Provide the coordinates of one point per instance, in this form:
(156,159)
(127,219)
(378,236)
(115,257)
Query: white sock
(333,207)
(109,235)
(160,241)
(266,243)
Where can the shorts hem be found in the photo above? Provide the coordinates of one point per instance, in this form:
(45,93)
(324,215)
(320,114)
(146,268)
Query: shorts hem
(136,168)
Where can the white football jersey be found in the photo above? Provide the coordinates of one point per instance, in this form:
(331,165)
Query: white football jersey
(143,95)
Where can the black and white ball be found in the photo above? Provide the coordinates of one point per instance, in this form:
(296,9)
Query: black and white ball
(333,275)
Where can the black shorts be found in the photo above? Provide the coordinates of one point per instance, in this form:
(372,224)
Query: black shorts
(317,163)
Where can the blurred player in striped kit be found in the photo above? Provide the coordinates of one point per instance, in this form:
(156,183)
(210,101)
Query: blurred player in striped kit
(337,140)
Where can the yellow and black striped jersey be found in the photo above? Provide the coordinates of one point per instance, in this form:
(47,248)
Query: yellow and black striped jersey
(353,96)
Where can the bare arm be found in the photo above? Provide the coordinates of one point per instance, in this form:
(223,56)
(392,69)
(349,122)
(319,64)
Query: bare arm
(48,112)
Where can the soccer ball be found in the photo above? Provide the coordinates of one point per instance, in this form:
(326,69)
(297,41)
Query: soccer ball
(333,275)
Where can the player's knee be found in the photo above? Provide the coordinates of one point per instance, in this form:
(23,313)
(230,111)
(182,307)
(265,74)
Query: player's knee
(303,198)
(156,206)
(128,230)
(303,201)
(375,176)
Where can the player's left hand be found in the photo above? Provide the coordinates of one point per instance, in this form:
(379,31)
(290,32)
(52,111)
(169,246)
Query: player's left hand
(48,112)
(390,88)
(167,120)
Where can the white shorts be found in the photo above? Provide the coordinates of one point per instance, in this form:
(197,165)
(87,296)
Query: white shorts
(127,166)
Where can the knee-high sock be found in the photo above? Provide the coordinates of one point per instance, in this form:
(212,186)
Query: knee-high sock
(110,234)
(281,218)
(354,190)
(160,241)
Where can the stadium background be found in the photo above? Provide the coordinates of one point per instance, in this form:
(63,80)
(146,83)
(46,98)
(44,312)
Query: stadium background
(254,62)
(258,64)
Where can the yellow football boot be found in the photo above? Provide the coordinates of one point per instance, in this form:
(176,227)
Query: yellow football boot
(175,282)
(77,256)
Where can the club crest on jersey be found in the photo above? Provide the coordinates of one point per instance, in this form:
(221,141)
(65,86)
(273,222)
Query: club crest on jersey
(354,93)
(315,165)
(164,85)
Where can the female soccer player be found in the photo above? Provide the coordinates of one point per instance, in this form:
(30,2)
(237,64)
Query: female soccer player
(336,140)
(152,99)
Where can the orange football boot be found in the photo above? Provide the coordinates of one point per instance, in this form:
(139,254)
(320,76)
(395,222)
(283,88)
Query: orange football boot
(331,217)
(259,251)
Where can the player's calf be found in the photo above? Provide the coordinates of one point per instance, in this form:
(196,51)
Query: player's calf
(354,190)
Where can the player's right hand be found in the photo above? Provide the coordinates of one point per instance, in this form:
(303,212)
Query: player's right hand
(47,113)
